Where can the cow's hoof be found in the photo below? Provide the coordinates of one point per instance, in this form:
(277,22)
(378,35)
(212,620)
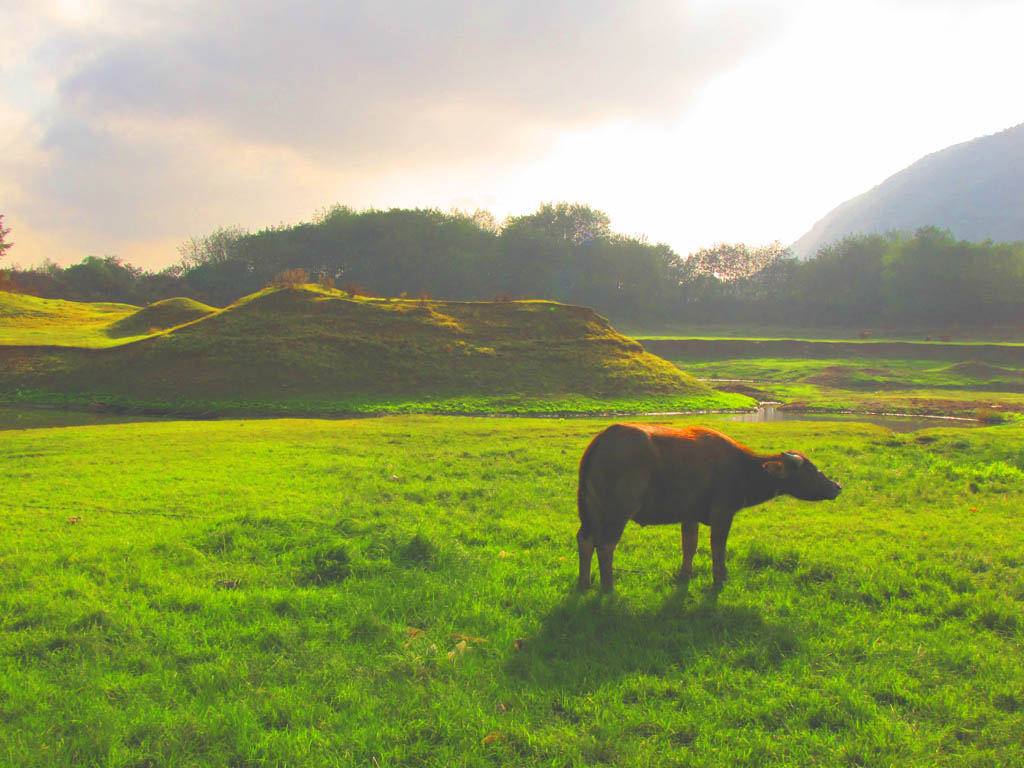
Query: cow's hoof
(582,586)
(683,577)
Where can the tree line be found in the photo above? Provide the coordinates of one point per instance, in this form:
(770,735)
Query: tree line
(569,253)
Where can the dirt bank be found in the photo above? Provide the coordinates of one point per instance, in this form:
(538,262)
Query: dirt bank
(725,349)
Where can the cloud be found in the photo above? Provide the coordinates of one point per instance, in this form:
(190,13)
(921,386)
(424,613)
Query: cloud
(166,115)
(420,81)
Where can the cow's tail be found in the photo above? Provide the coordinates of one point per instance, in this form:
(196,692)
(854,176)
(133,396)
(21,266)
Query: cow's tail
(590,518)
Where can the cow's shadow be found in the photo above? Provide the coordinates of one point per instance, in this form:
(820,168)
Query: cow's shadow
(588,639)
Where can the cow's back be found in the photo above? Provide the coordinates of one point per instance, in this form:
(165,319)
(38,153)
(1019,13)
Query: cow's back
(653,474)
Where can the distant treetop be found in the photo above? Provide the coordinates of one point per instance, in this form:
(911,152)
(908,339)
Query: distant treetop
(4,245)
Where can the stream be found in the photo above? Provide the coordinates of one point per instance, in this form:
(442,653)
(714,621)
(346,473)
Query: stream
(895,422)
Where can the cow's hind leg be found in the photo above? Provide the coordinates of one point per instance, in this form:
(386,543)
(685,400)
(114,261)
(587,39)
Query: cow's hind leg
(690,531)
(719,536)
(586,548)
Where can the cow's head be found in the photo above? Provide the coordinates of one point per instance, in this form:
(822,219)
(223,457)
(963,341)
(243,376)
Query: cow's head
(797,476)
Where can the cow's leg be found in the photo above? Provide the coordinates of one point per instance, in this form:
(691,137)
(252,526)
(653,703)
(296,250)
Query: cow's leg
(689,548)
(719,535)
(605,555)
(586,548)
(627,499)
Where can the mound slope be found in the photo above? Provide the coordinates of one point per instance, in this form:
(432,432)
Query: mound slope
(311,343)
(159,316)
(31,320)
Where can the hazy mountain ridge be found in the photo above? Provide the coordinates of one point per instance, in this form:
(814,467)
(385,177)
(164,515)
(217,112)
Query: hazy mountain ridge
(974,189)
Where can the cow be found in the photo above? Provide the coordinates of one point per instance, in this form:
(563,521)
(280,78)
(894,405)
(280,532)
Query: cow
(655,475)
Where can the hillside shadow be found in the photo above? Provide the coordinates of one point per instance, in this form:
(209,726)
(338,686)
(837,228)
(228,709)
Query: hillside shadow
(586,640)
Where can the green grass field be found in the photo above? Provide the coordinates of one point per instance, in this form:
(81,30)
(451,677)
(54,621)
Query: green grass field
(398,592)
(756,331)
(932,387)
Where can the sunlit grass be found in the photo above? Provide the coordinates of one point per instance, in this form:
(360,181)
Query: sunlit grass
(399,590)
(27,320)
(877,385)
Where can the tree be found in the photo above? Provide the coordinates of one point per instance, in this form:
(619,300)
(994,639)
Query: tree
(102,279)
(4,245)
(574,223)
(843,282)
(734,261)
(217,247)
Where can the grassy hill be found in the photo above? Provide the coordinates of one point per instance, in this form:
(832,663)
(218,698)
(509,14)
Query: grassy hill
(31,320)
(159,316)
(308,349)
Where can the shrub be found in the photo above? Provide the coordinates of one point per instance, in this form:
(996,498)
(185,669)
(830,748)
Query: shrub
(290,277)
(990,416)
(7,282)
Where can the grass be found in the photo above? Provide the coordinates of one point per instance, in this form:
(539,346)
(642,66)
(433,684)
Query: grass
(307,350)
(28,320)
(751,331)
(159,316)
(398,592)
(875,385)
(28,402)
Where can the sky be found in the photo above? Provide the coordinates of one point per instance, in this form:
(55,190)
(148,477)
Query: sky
(129,126)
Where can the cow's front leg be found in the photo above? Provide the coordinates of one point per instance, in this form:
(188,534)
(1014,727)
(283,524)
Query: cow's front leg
(689,549)
(719,535)
(605,555)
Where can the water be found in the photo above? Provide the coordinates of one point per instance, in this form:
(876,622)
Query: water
(895,422)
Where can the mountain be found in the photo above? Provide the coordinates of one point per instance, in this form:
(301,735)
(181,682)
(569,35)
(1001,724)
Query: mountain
(974,189)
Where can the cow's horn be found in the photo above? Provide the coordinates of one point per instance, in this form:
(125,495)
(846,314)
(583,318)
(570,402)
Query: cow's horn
(795,457)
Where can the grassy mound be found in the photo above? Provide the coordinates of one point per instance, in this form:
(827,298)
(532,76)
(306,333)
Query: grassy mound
(308,349)
(159,316)
(977,369)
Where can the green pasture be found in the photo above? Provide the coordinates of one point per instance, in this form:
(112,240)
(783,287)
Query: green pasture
(875,385)
(36,407)
(399,592)
(755,331)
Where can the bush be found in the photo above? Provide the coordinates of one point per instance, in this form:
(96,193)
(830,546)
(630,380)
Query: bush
(290,277)
(990,416)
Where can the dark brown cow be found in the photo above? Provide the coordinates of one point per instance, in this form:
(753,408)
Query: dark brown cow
(655,475)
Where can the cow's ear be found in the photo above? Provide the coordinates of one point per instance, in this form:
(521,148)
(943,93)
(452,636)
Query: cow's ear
(794,458)
(776,469)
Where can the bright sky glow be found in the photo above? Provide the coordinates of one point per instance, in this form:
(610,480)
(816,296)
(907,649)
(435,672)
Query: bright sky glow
(126,128)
